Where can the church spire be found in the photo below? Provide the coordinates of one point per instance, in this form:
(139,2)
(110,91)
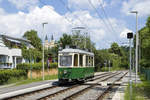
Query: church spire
(52,38)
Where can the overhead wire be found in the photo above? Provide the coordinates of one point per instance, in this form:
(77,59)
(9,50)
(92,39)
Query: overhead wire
(102,7)
(106,15)
(99,15)
(64,16)
(71,12)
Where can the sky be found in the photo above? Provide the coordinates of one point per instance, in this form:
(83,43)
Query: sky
(107,21)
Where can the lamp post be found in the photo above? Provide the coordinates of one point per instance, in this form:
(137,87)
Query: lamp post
(43,47)
(130,36)
(137,44)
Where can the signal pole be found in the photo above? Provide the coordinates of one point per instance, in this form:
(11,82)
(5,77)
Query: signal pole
(130,36)
(109,65)
(137,46)
(43,47)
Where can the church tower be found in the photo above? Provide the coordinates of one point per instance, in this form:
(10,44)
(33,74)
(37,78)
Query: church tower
(46,42)
(52,42)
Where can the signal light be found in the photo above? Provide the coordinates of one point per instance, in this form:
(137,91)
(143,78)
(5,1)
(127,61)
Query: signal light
(129,35)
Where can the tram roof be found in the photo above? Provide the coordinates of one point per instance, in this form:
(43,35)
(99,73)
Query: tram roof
(70,50)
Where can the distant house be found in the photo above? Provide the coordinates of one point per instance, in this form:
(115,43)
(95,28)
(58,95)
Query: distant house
(10,54)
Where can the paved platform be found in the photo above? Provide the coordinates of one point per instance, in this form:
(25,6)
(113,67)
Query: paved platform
(119,95)
(12,87)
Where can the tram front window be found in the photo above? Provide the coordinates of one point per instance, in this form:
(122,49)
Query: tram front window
(65,60)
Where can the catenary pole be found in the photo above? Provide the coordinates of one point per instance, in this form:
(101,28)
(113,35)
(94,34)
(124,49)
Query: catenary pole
(137,46)
(43,48)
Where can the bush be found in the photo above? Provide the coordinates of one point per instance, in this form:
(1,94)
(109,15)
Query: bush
(6,75)
(145,63)
(36,66)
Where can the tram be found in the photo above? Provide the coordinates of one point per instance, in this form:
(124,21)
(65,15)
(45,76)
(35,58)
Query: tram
(75,65)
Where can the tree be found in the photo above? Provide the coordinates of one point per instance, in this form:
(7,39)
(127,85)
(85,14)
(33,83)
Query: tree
(65,40)
(115,49)
(33,37)
(144,37)
(32,53)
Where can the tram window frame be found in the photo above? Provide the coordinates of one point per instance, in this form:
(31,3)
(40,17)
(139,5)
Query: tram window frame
(70,59)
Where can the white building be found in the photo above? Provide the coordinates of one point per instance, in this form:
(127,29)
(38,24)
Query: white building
(50,44)
(9,56)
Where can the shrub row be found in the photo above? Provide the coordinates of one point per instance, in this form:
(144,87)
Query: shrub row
(36,66)
(6,75)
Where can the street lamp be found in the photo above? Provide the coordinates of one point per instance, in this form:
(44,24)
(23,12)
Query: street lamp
(137,44)
(43,47)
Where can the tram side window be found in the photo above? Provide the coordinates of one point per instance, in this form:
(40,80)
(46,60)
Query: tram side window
(66,60)
(76,60)
(91,61)
(81,60)
(87,62)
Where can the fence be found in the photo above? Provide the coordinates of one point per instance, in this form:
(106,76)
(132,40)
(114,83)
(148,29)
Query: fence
(146,72)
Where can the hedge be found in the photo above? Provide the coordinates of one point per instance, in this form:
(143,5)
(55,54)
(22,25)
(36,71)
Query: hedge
(36,66)
(6,75)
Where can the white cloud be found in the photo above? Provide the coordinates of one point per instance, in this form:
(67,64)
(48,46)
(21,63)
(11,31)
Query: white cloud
(18,23)
(142,6)
(123,34)
(84,4)
(114,2)
(21,4)
(100,34)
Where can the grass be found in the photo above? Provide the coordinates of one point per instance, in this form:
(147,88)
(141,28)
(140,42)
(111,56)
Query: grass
(27,81)
(112,68)
(14,80)
(23,80)
(140,91)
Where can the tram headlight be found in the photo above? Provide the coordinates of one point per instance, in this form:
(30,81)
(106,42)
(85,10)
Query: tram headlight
(65,71)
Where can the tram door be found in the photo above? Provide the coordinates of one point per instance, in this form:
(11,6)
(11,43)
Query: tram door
(76,60)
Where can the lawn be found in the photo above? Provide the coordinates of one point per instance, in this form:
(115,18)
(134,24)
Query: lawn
(27,81)
(23,80)
(141,91)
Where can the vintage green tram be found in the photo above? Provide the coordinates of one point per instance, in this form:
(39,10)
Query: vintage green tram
(75,65)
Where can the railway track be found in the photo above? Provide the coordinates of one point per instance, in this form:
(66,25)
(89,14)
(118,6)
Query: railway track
(39,91)
(88,88)
(82,88)
(61,90)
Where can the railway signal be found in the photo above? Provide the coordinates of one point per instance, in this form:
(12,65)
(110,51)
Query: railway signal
(130,36)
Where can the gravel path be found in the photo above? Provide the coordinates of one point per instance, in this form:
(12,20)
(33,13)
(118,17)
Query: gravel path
(92,94)
(68,93)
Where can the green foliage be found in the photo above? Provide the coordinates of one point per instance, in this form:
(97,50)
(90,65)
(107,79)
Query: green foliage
(10,44)
(29,80)
(33,37)
(51,52)
(144,37)
(115,49)
(7,75)
(145,63)
(103,69)
(140,91)
(32,54)
(65,40)
(36,66)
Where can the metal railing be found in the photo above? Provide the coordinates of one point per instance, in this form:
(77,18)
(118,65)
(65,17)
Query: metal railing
(146,72)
